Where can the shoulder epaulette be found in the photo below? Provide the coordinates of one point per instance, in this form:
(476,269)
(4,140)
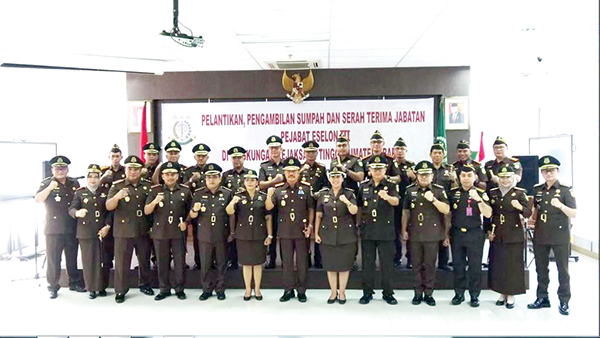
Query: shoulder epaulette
(80,188)
(156,186)
(325,188)
(348,189)
(118,181)
(184,185)
(475,162)
(265,162)
(225,188)
(455,188)
(565,186)
(366,157)
(321,164)
(520,189)
(480,190)
(200,189)
(456,163)
(279,184)
(305,183)
(437,185)
(410,185)
(539,185)
(514,159)
(104,167)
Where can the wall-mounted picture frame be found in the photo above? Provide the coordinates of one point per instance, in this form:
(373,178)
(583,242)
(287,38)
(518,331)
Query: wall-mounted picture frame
(134,116)
(456,111)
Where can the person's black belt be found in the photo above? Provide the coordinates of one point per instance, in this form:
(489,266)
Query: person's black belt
(466,229)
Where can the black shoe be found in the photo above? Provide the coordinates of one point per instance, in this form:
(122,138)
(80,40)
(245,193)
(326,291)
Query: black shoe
(302,297)
(398,264)
(458,299)
(102,293)
(409,265)
(162,295)
(474,302)
(563,309)
(355,266)
(259,298)
(510,305)
(247,298)
(270,264)
(147,290)
(180,295)
(390,299)
(417,299)
(53,294)
(205,295)
(365,299)
(342,301)
(500,302)
(331,300)
(318,265)
(221,295)
(232,265)
(92,295)
(444,268)
(77,288)
(539,303)
(185,266)
(154,266)
(196,266)
(287,296)
(120,297)
(429,300)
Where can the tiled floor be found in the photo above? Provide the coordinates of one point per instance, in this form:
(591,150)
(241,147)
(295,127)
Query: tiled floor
(26,310)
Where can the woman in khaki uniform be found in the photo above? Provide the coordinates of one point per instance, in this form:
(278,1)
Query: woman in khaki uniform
(335,229)
(253,231)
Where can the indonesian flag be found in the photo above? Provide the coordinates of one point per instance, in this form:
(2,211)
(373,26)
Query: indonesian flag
(143,134)
(481,149)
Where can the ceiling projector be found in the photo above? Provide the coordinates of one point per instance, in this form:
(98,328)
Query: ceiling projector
(184,39)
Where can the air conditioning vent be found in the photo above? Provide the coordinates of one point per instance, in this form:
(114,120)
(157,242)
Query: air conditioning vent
(293,64)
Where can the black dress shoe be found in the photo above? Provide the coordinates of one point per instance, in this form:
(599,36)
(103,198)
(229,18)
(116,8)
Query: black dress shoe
(162,295)
(196,266)
(331,300)
(53,294)
(563,309)
(180,295)
(539,303)
(398,264)
(458,299)
(270,264)
(390,299)
(220,295)
(318,265)
(417,299)
(444,268)
(185,266)
(287,296)
(147,290)
(302,297)
(247,298)
(102,293)
(429,300)
(205,295)
(365,299)
(77,288)
(474,302)
(259,298)
(342,301)
(92,295)
(510,305)
(120,297)
(500,302)
(409,265)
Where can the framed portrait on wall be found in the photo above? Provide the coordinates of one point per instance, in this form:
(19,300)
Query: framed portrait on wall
(134,116)
(456,111)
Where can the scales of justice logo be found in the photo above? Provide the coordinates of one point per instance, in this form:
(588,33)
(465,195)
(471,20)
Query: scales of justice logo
(182,129)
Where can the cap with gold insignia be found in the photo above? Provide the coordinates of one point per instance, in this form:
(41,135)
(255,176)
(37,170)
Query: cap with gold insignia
(212,169)
(291,163)
(115,149)
(310,146)
(151,148)
(236,151)
(468,167)
(424,167)
(548,162)
(173,146)
(377,162)
(463,144)
(506,170)
(400,142)
(201,149)
(59,160)
(171,167)
(133,161)
(437,146)
(342,139)
(274,141)
(377,136)
(94,168)
(250,174)
(335,171)
(500,140)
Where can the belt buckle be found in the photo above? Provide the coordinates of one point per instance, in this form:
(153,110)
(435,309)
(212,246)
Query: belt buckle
(138,213)
(292,216)
(170,219)
(250,219)
(334,219)
(502,219)
(420,217)
(544,217)
(213,218)
(97,213)
(463,229)
(374,213)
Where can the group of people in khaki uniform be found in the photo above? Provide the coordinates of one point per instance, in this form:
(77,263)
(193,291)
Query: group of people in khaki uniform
(237,217)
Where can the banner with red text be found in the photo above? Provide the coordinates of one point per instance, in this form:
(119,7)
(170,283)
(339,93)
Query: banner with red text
(222,125)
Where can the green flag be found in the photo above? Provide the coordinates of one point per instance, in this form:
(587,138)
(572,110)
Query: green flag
(440,133)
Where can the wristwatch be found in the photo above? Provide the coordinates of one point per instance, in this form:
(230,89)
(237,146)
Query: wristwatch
(270,236)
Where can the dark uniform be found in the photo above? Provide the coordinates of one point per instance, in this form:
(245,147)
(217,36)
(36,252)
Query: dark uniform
(392,166)
(87,231)
(352,163)
(294,206)
(268,170)
(60,229)
(405,166)
(467,238)
(552,231)
(479,169)
(426,229)
(251,227)
(213,229)
(492,167)
(377,232)
(441,177)
(131,229)
(507,266)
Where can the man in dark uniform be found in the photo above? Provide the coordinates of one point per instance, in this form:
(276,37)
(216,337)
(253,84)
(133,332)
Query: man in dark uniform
(57,193)
(115,171)
(233,179)
(445,176)
(151,154)
(376,200)
(377,143)
(209,205)
(467,237)
(492,167)
(89,208)
(554,206)
(169,204)
(316,174)
(463,152)
(407,177)
(423,221)
(173,153)
(349,164)
(296,212)
(127,198)
(270,174)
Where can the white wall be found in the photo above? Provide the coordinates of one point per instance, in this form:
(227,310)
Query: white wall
(515,96)
(85,113)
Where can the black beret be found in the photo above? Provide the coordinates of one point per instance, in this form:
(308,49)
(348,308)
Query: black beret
(251,174)
(377,136)
(115,149)
(94,168)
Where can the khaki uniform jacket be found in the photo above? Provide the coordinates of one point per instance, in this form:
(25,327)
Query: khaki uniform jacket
(57,206)
(426,223)
(95,204)
(377,215)
(129,219)
(338,225)
(213,221)
(507,219)
(250,213)
(293,206)
(176,204)
(552,226)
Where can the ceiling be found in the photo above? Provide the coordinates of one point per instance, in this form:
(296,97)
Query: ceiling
(248,35)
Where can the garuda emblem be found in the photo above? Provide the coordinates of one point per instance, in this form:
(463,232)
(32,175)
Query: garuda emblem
(297,87)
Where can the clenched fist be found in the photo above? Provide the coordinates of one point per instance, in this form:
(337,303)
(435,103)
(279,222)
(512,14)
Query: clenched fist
(428,195)
(474,195)
(81,213)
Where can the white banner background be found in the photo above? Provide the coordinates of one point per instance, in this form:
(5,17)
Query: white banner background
(223,125)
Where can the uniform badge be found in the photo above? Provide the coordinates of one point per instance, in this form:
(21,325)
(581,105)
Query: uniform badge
(558,191)
(145,188)
(485,197)
(385,188)
(412,205)
(283,203)
(127,199)
(260,198)
(203,209)
(493,201)
(161,204)
(85,200)
(572,193)
(182,194)
(513,194)
(57,198)
(74,188)
(455,206)
(366,203)
(326,200)
(244,201)
(102,195)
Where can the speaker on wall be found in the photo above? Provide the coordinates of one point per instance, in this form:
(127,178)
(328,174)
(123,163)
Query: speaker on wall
(531,173)
(46,169)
